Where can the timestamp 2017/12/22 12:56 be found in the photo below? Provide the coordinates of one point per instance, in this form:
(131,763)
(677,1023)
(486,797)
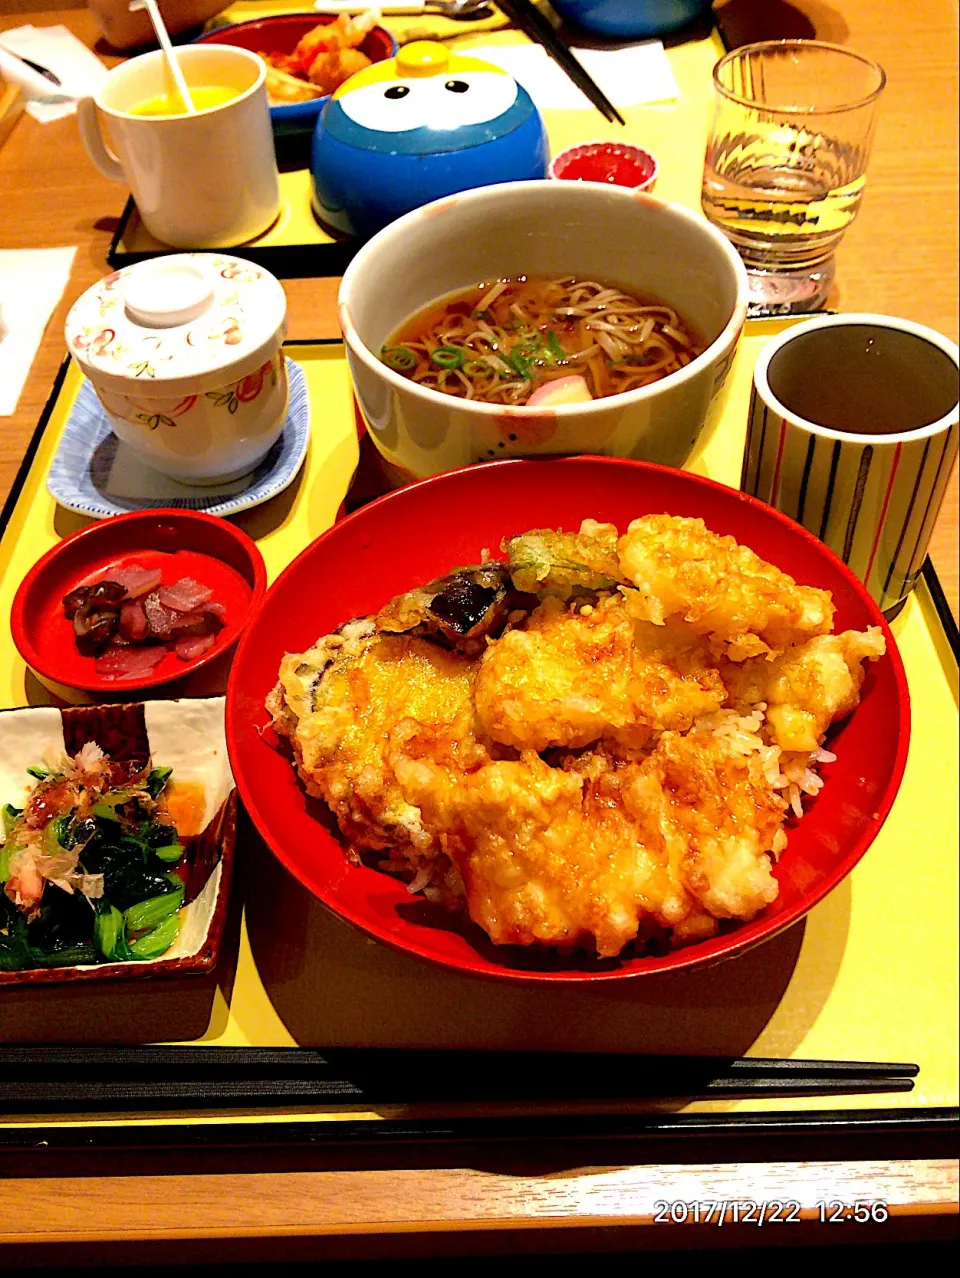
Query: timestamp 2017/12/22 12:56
(720,1211)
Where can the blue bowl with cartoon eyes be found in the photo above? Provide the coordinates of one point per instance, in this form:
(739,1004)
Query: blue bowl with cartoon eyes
(386,144)
(631,19)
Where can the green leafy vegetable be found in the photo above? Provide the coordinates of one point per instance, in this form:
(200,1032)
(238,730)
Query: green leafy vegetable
(157,779)
(169,852)
(158,941)
(6,855)
(105,811)
(14,951)
(120,838)
(148,914)
(10,815)
(108,932)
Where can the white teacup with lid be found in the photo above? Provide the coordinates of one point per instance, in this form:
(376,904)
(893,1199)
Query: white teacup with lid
(185,355)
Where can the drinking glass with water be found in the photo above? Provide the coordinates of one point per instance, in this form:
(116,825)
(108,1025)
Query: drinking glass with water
(792,127)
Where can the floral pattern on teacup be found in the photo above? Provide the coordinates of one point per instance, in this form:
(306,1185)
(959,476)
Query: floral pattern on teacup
(248,388)
(245,391)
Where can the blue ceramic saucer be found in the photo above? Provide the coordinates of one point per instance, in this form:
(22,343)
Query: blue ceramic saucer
(93,473)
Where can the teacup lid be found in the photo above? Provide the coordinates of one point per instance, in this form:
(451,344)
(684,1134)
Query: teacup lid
(185,323)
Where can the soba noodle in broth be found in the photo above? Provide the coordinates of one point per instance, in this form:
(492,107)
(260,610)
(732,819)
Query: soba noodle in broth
(499,343)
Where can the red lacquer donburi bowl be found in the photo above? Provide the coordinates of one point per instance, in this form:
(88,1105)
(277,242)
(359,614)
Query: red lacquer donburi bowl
(419,533)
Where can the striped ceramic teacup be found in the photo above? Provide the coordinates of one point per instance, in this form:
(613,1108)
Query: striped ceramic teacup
(853,432)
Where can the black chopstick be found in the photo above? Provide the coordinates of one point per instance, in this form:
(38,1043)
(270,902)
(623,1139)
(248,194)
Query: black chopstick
(63,1078)
(536,27)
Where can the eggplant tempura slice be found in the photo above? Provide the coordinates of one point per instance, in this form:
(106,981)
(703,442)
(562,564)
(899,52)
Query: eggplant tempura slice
(460,610)
(350,702)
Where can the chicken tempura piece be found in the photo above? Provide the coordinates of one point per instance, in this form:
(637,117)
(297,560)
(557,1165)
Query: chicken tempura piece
(597,852)
(344,32)
(544,860)
(568,678)
(707,798)
(723,590)
(328,71)
(809,686)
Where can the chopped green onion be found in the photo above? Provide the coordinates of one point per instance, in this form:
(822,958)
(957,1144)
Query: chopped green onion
(399,359)
(475,367)
(108,931)
(554,347)
(158,941)
(480,315)
(11,816)
(447,356)
(169,852)
(520,364)
(39,772)
(157,780)
(150,913)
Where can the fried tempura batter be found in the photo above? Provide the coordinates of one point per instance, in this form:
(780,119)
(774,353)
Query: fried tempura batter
(809,686)
(599,851)
(721,589)
(679,720)
(561,564)
(356,696)
(568,678)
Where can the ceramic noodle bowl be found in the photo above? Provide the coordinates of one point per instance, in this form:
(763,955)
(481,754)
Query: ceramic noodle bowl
(582,230)
(416,127)
(185,355)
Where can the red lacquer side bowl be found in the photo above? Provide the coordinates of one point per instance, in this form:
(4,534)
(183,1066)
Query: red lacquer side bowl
(418,533)
(183,543)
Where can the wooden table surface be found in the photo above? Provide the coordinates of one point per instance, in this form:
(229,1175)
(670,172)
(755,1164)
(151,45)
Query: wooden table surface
(900,257)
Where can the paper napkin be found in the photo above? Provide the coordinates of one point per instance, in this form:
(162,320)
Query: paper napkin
(31,284)
(629,77)
(80,70)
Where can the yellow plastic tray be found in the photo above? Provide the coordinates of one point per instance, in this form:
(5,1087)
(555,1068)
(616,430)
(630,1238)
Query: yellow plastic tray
(663,128)
(871,974)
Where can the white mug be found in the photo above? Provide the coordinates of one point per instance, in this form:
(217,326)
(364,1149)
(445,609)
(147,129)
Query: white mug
(207,180)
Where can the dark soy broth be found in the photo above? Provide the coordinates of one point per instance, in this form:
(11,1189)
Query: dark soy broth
(864,380)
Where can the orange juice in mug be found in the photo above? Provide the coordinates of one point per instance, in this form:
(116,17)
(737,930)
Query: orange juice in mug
(203,96)
(203,180)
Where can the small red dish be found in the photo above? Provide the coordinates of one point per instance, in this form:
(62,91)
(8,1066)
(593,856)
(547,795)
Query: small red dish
(180,543)
(416,534)
(614,163)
